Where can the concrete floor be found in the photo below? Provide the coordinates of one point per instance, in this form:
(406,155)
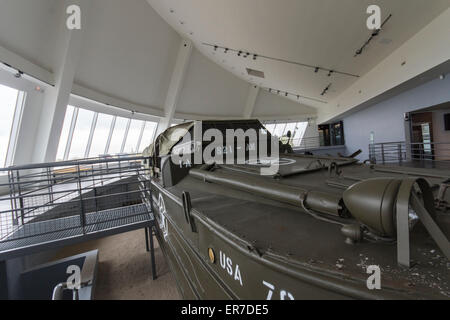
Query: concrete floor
(124,270)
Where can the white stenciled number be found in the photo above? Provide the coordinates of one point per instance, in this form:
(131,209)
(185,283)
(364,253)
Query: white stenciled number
(162,211)
(284,295)
(271,289)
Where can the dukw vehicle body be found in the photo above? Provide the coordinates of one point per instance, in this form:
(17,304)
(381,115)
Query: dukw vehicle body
(318,228)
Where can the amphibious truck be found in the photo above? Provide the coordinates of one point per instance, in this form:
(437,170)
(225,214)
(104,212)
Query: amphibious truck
(319,227)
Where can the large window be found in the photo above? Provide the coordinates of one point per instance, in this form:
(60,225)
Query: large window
(91,134)
(81,134)
(101,135)
(281,130)
(8,103)
(118,136)
(134,136)
(147,137)
(65,133)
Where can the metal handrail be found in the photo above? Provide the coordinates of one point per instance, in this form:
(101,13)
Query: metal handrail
(71,163)
(310,143)
(388,152)
(46,195)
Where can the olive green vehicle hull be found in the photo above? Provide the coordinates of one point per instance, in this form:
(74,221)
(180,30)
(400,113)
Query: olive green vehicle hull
(239,270)
(317,227)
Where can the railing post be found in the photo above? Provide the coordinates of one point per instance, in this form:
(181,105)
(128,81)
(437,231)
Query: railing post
(93,176)
(383,159)
(50,185)
(12,192)
(80,195)
(400,154)
(21,204)
(95,199)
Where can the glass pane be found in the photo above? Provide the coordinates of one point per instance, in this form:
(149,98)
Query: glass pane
(300,133)
(279,130)
(81,134)
(65,134)
(290,127)
(147,138)
(270,128)
(133,137)
(118,135)
(8,101)
(101,135)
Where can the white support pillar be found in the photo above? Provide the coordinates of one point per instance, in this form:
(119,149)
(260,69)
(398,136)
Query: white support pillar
(251,102)
(57,98)
(176,84)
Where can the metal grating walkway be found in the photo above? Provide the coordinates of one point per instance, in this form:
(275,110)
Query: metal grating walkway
(36,237)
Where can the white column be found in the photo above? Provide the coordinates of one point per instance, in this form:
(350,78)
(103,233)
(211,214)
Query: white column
(176,85)
(251,102)
(57,98)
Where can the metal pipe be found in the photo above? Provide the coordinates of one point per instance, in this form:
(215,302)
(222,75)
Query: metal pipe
(71,163)
(315,200)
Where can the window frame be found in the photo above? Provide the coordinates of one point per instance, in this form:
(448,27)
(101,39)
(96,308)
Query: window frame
(93,125)
(15,126)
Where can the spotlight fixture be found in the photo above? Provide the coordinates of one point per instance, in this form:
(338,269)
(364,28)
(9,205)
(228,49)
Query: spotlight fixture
(326,90)
(292,94)
(442,76)
(256,56)
(330,73)
(18,75)
(374,34)
(215,48)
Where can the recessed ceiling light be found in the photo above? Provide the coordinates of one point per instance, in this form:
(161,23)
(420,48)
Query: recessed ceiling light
(172,11)
(255,73)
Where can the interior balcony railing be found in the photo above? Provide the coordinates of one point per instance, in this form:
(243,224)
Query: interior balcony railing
(61,203)
(308,143)
(432,154)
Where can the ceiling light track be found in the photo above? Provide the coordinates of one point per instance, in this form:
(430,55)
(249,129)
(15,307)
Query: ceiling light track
(374,34)
(287,94)
(245,54)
